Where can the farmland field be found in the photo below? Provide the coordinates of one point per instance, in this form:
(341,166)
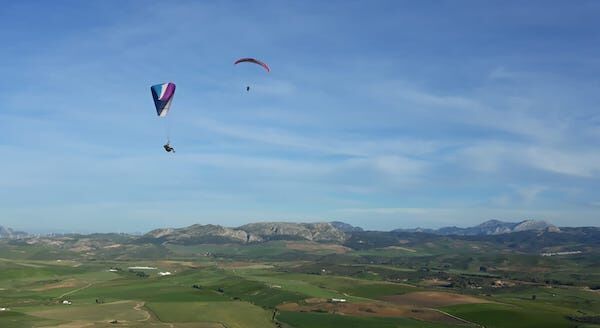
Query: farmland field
(292,284)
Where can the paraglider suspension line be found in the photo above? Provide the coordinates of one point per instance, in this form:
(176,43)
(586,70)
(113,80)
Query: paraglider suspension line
(167,126)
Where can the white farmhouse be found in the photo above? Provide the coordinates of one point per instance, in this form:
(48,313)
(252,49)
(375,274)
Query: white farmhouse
(337,300)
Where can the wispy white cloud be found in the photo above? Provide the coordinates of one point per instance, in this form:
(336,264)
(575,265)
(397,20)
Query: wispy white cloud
(494,157)
(530,193)
(339,144)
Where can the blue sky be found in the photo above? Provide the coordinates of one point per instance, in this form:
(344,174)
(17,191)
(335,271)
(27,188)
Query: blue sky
(382,114)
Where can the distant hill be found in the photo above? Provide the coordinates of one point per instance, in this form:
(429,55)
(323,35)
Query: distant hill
(8,233)
(565,239)
(253,232)
(198,234)
(320,231)
(491,227)
(345,227)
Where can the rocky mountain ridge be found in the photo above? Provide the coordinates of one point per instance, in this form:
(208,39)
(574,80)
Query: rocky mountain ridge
(490,227)
(345,227)
(332,232)
(249,233)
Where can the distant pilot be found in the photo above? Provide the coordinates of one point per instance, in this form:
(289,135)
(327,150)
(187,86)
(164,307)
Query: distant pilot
(168,148)
(248,88)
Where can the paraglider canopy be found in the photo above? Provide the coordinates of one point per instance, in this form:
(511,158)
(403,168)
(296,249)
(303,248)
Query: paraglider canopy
(254,61)
(163,95)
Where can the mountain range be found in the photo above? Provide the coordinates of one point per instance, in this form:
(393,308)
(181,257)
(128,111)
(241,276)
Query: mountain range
(525,236)
(253,232)
(336,231)
(491,227)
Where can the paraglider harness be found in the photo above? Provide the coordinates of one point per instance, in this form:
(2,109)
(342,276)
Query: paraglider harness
(168,148)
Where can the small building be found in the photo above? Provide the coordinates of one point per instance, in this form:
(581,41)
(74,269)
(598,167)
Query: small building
(67,302)
(4,309)
(337,300)
(498,284)
(141,268)
(166,273)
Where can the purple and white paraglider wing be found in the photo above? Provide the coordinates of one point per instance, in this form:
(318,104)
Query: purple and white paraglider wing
(163,95)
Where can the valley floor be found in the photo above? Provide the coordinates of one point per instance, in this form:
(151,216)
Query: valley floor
(264,286)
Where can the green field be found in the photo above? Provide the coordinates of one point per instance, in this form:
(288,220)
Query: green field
(270,285)
(233,314)
(302,320)
(501,315)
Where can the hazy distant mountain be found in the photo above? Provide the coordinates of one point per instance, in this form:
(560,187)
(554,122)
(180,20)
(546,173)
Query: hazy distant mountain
(198,234)
(321,231)
(9,233)
(345,227)
(491,227)
(253,232)
(526,236)
(336,232)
